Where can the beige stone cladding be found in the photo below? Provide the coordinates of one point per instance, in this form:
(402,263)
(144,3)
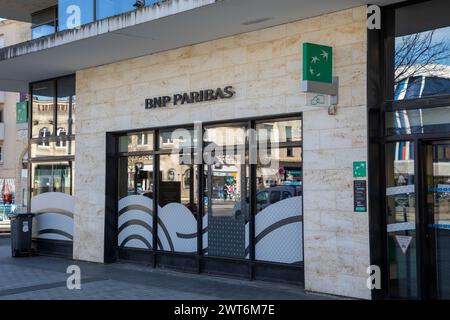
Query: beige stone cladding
(265,69)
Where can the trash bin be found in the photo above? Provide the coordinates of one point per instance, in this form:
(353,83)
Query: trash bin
(21,225)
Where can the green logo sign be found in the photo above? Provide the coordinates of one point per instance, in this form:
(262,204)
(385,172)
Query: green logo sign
(317,63)
(22,112)
(359,169)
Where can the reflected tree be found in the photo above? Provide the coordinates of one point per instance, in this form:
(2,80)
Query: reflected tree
(420,54)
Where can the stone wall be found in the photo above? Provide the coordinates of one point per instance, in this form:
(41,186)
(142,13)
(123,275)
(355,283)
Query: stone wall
(265,69)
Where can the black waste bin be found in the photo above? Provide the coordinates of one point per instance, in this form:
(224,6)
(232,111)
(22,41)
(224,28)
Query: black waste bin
(21,226)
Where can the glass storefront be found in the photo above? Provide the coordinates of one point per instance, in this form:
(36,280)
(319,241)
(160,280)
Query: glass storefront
(214,194)
(416,125)
(52,143)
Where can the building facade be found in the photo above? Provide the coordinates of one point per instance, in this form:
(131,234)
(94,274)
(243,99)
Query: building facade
(13,135)
(202,153)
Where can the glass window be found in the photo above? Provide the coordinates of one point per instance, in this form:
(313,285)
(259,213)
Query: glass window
(61,141)
(44,135)
(227,208)
(226,202)
(48,121)
(287,195)
(54,147)
(135,142)
(275,196)
(43,23)
(232,135)
(422,51)
(109,8)
(178,205)
(74,13)
(43,108)
(278,222)
(135,221)
(401,219)
(416,121)
(176,139)
(279,131)
(51,177)
(136,176)
(262,197)
(43,30)
(66,94)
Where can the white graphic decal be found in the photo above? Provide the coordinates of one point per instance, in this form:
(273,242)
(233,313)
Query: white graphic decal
(279,232)
(53,216)
(403,242)
(279,236)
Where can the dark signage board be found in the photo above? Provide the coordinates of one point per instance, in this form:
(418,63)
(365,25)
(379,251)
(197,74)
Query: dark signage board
(360,195)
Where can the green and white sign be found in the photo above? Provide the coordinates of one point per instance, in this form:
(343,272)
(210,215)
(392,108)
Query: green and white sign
(22,112)
(317,63)
(359,169)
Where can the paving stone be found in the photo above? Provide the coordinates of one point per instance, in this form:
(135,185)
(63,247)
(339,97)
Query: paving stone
(44,278)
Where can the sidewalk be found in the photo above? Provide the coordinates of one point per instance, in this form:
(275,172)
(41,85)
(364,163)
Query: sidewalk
(45,278)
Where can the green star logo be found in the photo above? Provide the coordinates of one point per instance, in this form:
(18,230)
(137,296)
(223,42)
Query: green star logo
(317,63)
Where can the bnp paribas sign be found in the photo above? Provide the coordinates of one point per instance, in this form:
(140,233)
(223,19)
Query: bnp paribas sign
(318,75)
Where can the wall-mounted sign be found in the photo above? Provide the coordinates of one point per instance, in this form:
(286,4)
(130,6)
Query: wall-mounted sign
(317,100)
(190,97)
(360,195)
(318,72)
(317,63)
(359,169)
(22,112)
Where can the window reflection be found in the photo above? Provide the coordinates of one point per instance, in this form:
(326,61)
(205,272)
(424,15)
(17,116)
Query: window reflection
(43,109)
(417,121)
(422,64)
(279,131)
(401,219)
(136,176)
(51,177)
(135,142)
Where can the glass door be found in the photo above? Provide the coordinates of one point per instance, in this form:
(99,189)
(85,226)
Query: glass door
(401,217)
(437,217)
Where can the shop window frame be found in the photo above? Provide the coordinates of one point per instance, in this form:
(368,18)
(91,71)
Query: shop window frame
(199,261)
(380,100)
(53,138)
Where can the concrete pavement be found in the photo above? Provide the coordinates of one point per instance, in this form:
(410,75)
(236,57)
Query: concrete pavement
(44,278)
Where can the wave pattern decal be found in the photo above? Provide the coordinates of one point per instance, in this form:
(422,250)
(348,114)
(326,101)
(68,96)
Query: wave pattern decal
(135,222)
(279,232)
(278,229)
(54,213)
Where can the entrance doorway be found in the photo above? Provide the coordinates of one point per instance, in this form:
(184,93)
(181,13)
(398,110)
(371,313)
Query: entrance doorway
(418,218)
(437,217)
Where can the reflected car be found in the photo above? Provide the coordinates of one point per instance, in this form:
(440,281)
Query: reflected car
(266,197)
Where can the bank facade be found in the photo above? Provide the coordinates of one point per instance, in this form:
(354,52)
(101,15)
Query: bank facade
(118,150)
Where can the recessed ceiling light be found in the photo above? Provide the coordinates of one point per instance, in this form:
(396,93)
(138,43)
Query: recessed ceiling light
(247,23)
